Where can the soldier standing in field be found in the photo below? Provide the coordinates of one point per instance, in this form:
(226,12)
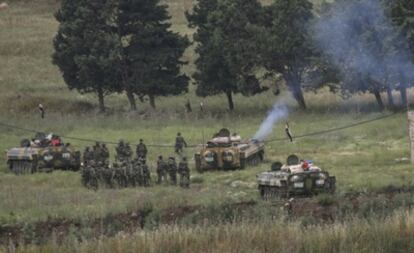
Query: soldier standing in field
(104,153)
(179,143)
(97,152)
(172,170)
(141,150)
(161,170)
(127,152)
(120,151)
(184,173)
(87,155)
(146,174)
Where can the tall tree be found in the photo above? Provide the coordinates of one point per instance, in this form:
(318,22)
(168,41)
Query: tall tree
(402,14)
(286,44)
(87,47)
(151,52)
(227,51)
(360,40)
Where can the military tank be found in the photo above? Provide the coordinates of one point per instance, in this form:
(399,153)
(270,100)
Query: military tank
(40,154)
(296,177)
(225,152)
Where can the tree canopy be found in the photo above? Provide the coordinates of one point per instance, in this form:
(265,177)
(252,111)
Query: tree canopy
(227,52)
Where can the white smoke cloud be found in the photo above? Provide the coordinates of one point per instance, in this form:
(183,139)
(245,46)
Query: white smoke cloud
(277,113)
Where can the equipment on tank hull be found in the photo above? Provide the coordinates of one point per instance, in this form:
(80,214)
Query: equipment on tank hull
(228,152)
(39,154)
(297,177)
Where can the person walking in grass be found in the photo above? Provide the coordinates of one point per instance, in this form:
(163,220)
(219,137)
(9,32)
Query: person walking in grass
(184,172)
(161,170)
(179,143)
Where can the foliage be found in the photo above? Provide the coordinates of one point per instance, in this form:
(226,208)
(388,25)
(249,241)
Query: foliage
(87,47)
(151,52)
(225,31)
(285,42)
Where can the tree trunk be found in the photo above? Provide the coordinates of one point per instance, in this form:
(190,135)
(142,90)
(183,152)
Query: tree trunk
(294,84)
(152,101)
(131,100)
(101,100)
(230,100)
(391,103)
(377,95)
(403,92)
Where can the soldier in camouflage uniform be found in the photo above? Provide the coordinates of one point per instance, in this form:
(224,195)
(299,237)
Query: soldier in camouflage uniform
(179,143)
(184,173)
(146,174)
(120,151)
(97,152)
(128,152)
(108,176)
(93,177)
(137,168)
(104,153)
(172,170)
(87,155)
(162,168)
(141,150)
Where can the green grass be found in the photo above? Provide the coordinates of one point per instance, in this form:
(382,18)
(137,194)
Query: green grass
(362,158)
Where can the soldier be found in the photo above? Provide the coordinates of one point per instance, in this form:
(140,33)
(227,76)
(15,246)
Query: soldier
(93,178)
(104,153)
(120,150)
(172,170)
(141,150)
(87,155)
(146,174)
(179,143)
(97,152)
(108,176)
(136,173)
(161,170)
(184,173)
(127,152)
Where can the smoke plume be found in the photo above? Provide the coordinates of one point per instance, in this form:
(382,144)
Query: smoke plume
(357,36)
(278,112)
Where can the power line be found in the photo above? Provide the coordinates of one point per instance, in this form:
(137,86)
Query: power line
(336,129)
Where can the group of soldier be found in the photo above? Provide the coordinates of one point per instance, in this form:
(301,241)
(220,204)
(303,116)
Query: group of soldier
(131,172)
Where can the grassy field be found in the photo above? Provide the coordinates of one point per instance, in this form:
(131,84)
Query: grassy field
(363,159)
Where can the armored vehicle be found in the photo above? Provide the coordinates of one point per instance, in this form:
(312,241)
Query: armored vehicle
(41,153)
(296,177)
(226,151)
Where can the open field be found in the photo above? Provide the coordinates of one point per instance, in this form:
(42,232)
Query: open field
(364,159)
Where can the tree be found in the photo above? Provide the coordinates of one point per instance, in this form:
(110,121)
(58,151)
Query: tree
(151,53)
(286,44)
(87,47)
(228,58)
(359,40)
(402,15)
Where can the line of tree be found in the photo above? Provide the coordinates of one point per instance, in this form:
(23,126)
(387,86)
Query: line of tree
(115,46)
(107,46)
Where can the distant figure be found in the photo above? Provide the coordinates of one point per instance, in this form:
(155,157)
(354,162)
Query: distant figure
(162,168)
(288,133)
(184,173)
(141,150)
(42,111)
(201,106)
(188,106)
(179,143)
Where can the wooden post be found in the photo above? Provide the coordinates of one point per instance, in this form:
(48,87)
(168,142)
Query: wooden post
(411,124)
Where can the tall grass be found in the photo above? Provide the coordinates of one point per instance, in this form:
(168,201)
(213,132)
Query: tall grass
(393,234)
